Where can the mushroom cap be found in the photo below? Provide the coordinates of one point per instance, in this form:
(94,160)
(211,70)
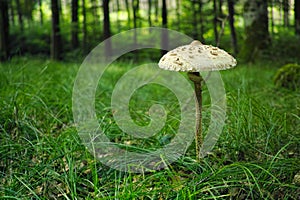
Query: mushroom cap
(196,57)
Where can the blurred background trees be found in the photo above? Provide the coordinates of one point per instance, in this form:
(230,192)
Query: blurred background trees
(68,29)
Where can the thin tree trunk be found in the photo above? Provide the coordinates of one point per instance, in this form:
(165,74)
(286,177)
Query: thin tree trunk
(232,27)
(106,28)
(272,16)
(55,41)
(41,12)
(149,13)
(74,34)
(128,13)
(135,5)
(297,17)
(135,9)
(215,21)
(84,27)
(118,15)
(286,9)
(164,13)
(164,36)
(4,30)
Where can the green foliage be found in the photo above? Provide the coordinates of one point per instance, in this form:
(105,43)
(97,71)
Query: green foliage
(288,76)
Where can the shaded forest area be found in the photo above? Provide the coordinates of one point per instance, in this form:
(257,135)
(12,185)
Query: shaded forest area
(68,29)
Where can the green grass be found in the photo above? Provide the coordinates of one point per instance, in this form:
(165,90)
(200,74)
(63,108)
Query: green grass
(256,157)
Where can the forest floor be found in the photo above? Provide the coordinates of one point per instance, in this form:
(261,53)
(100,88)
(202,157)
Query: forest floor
(42,157)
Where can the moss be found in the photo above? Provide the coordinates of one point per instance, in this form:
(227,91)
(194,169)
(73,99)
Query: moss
(288,76)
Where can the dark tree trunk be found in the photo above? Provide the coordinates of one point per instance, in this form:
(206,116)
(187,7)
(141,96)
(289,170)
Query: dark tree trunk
(215,21)
(164,36)
(4,30)
(20,15)
(41,12)
(128,13)
(75,41)
(272,16)
(106,27)
(55,38)
(164,14)
(230,4)
(135,8)
(286,10)
(84,27)
(118,15)
(297,17)
(256,28)
(149,13)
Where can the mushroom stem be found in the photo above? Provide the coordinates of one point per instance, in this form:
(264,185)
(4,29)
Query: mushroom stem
(197,79)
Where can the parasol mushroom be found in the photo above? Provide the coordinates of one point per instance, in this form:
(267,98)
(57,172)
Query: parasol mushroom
(194,58)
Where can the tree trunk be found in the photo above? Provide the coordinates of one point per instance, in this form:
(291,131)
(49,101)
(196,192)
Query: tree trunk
(297,17)
(286,9)
(84,27)
(20,15)
(230,4)
(128,13)
(75,41)
(41,12)
(272,16)
(256,28)
(149,13)
(106,27)
(215,21)
(164,13)
(55,39)
(164,36)
(118,15)
(4,30)
(135,8)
